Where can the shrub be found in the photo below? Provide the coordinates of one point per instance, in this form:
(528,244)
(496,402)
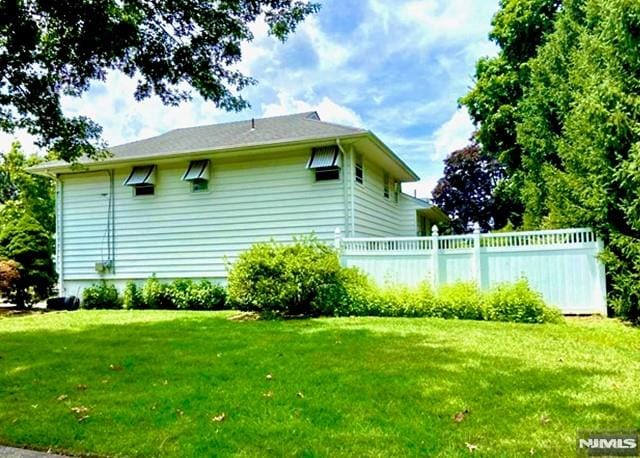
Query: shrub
(157,295)
(9,276)
(459,300)
(132,297)
(27,243)
(284,279)
(351,294)
(517,302)
(203,295)
(355,294)
(101,296)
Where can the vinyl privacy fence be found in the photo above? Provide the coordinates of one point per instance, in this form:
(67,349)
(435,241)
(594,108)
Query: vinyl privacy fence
(563,265)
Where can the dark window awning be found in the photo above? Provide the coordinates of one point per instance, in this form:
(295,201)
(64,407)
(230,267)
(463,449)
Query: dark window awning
(197,170)
(324,158)
(141,175)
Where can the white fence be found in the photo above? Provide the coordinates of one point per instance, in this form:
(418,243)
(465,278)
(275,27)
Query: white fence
(563,265)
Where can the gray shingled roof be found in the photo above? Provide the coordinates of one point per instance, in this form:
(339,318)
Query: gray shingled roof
(302,126)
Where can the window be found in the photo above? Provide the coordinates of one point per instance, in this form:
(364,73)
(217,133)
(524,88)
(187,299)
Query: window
(396,191)
(385,185)
(327,174)
(325,162)
(142,179)
(198,174)
(199,185)
(143,190)
(359,169)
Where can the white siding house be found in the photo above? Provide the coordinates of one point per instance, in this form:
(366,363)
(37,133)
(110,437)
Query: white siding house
(186,203)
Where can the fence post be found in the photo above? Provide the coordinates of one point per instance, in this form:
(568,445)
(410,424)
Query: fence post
(435,263)
(337,238)
(477,266)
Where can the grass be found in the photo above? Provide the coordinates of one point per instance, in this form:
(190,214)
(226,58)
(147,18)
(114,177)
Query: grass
(153,383)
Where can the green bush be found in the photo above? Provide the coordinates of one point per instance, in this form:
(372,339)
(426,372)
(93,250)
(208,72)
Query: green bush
(179,293)
(459,300)
(517,302)
(351,294)
(132,297)
(157,295)
(28,244)
(356,295)
(102,295)
(284,279)
(208,296)
(203,295)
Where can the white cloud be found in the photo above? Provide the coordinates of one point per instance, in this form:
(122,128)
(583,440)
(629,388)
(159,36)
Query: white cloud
(112,105)
(328,110)
(453,134)
(420,188)
(398,72)
(26,141)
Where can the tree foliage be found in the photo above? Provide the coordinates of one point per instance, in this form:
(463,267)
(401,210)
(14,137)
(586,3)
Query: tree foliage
(28,244)
(519,27)
(581,133)
(52,48)
(577,130)
(22,193)
(9,276)
(466,191)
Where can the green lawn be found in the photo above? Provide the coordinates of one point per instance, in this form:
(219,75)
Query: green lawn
(144,383)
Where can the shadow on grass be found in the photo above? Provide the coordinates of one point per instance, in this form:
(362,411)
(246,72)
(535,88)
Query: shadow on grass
(320,387)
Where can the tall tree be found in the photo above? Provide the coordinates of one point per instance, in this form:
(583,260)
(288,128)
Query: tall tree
(580,130)
(575,125)
(519,28)
(466,191)
(54,48)
(22,193)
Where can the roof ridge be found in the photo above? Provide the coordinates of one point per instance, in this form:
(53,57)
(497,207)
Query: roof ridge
(359,129)
(304,115)
(226,123)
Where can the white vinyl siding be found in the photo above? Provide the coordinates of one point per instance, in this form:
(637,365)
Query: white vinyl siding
(180,234)
(377,216)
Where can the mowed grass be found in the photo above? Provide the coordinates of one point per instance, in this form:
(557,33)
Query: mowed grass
(151,383)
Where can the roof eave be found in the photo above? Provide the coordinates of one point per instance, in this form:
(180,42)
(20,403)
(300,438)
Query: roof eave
(49,169)
(380,144)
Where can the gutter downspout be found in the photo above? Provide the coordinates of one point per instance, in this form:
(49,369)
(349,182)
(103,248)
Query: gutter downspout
(345,185)
(59,235)
(352,187)
(349,192)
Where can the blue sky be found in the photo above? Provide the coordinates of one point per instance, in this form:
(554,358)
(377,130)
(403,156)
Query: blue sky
(392,66)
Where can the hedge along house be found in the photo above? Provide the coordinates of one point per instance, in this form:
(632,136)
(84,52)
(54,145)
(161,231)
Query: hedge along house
(184,204)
